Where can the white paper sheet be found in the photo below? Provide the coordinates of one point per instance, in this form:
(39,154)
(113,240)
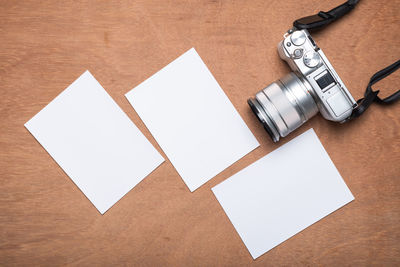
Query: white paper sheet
(282,193)
(192,119)
(94,142)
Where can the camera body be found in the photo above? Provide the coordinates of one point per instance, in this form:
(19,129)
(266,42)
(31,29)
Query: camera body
(304,57)
(313,86)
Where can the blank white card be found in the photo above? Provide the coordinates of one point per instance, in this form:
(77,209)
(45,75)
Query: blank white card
(192,119)
(94,142)
(282,193)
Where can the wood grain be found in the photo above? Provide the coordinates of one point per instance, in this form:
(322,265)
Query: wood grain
(45,45)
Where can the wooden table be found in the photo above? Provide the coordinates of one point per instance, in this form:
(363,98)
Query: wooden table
(45,45)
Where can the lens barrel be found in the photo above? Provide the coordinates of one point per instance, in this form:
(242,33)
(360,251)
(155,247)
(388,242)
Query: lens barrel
(284,105)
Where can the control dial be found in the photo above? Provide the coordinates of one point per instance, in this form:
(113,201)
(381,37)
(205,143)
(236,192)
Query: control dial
(311,59)
(298,38)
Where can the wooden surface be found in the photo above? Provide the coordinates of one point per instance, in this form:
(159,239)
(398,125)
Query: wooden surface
(45,45)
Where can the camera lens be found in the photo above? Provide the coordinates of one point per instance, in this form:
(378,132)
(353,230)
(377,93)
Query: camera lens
(284,105)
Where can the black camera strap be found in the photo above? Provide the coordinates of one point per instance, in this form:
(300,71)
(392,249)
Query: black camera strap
(324,18)
(372,96)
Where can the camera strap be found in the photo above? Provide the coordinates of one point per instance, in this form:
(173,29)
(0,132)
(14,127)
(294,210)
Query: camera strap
(324,18)
(372,96)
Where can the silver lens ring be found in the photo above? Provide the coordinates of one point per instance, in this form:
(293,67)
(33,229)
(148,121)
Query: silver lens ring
(298,91)
(284,105)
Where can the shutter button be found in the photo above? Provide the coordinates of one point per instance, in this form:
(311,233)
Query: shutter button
(298,53)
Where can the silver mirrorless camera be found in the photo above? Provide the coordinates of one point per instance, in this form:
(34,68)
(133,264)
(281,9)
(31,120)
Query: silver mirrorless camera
(313,86)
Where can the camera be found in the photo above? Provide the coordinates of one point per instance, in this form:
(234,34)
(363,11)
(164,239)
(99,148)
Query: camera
(313,86)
